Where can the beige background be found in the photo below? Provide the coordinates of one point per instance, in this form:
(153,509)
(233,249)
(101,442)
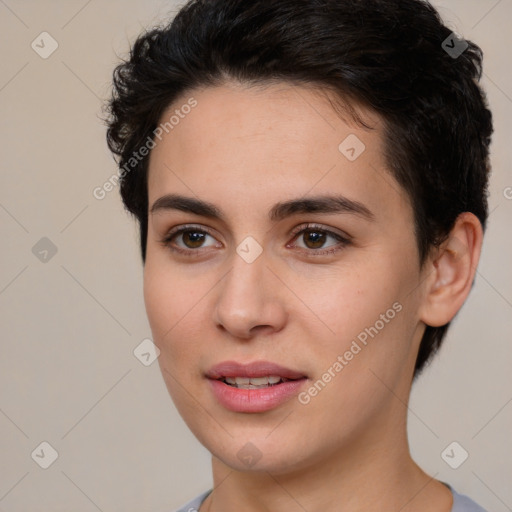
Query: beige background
(68,375)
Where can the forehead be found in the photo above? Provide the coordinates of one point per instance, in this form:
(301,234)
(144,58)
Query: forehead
(257,145)
(284,120)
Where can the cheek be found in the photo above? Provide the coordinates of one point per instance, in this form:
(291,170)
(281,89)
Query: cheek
(159,300)
(370,314)
(171,300)
(172,307)
(349,300)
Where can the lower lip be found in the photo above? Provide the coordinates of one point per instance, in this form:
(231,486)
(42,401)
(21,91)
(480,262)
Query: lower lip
(255,400)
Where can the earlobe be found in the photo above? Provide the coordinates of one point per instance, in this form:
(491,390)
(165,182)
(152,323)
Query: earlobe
(452,271)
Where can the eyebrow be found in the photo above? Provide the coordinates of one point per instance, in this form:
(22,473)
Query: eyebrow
(318,204)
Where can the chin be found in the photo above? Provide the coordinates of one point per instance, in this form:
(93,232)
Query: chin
(257,452)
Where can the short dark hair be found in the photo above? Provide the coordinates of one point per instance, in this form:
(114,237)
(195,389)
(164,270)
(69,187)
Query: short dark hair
(391,56)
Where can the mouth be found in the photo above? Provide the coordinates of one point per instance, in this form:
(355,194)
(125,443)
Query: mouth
(255,387)
(254,382)
(257,373)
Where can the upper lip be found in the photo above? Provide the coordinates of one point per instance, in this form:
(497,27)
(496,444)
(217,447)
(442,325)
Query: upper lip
(254,369)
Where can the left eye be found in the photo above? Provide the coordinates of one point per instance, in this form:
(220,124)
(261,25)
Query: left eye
(313,238)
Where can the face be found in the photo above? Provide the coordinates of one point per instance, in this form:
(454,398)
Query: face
(280,246)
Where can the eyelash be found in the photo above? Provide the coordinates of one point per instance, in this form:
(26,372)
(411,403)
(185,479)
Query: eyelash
(344,241)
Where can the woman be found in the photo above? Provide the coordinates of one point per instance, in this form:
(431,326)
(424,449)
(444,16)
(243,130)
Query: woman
(310,181)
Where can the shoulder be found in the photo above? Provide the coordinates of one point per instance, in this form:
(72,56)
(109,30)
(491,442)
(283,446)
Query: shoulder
(462,503)
(193,506)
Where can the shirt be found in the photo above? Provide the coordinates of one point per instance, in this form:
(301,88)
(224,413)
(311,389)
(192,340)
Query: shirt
(461,503)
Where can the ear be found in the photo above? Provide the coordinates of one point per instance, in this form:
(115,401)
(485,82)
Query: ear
(450,271)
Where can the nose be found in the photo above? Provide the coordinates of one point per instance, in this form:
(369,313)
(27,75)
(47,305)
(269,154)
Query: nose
(249,300)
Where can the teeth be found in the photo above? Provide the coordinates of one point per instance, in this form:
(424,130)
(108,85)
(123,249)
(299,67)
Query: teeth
(242,381)
(253,382)
(260,381)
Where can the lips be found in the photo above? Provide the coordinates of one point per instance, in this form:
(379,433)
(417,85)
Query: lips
(255,387)
(252,370)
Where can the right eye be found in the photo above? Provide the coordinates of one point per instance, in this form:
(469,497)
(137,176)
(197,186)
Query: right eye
(187,239)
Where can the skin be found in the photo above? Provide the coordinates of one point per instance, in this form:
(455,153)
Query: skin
(245,149)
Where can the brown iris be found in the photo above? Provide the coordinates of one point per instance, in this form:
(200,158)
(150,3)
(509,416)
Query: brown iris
(315,238)
(193,239)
